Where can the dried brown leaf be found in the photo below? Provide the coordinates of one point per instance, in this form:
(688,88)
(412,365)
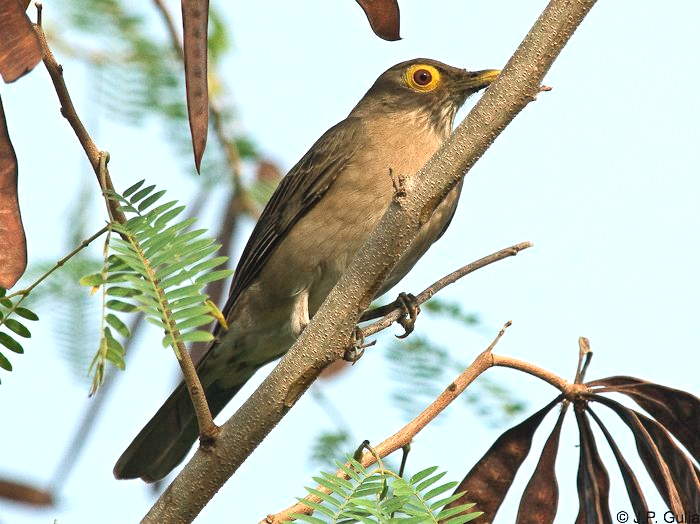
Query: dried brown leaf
(678,411)
(19,45)
(195,19)
(383,16)
(592,479)
(25,494)
(634,491)
(490,479)
(649,453)
(540,499)
(13,245)
(679,465)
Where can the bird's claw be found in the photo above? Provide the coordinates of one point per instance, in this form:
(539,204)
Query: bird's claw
(410,307)
(357,346)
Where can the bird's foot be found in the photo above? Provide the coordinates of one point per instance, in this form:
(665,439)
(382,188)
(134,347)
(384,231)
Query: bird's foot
(357,346)
(410,307)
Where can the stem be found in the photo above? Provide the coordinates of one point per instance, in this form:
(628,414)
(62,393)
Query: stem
(95,156)
(24,293)
(536,371)
(59,263)
(207,428)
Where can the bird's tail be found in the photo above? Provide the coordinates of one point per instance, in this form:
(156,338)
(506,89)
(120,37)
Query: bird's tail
(167,438)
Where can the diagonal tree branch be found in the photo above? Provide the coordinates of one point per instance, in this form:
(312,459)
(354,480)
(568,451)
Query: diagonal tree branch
(326,338)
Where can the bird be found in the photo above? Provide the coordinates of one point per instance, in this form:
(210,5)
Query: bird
(306,236)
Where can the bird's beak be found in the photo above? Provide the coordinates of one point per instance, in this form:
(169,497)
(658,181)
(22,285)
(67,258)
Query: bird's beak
(473,81)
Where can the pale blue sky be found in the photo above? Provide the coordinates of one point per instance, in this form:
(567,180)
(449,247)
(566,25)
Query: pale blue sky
(601,174)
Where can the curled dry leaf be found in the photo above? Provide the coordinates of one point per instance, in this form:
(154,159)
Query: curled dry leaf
(490,479)
(19,45)
(383,16)
(678,411)
(13,246)
(24,494)
(592,479)
(541,497)
(195,18)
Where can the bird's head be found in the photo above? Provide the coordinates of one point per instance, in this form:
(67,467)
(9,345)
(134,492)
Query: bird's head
(426,88)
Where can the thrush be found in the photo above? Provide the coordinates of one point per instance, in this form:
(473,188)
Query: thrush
(316,220)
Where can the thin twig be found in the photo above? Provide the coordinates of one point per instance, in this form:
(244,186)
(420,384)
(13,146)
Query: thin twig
(69,113)
(392,312)
(169,22)
(207,429)
(85,243)
(536,371)
(405,435)
(24,293)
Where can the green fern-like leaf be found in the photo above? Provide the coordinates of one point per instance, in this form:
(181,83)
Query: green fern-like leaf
(381,496)
(159,266)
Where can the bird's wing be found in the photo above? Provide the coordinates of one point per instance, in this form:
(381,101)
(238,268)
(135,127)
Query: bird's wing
(297,193)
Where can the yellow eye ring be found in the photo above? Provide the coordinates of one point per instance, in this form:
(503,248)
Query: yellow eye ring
(422,77)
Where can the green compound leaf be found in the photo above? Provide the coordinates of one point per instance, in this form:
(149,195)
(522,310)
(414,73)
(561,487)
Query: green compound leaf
(381,496)
(161,266)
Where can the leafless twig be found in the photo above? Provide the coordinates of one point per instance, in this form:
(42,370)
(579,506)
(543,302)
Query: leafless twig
(392,312)
(69,113)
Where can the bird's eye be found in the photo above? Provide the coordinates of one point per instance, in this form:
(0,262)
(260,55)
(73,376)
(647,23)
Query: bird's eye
(422,77)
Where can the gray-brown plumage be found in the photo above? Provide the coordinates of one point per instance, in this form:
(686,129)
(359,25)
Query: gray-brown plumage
(315,222)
